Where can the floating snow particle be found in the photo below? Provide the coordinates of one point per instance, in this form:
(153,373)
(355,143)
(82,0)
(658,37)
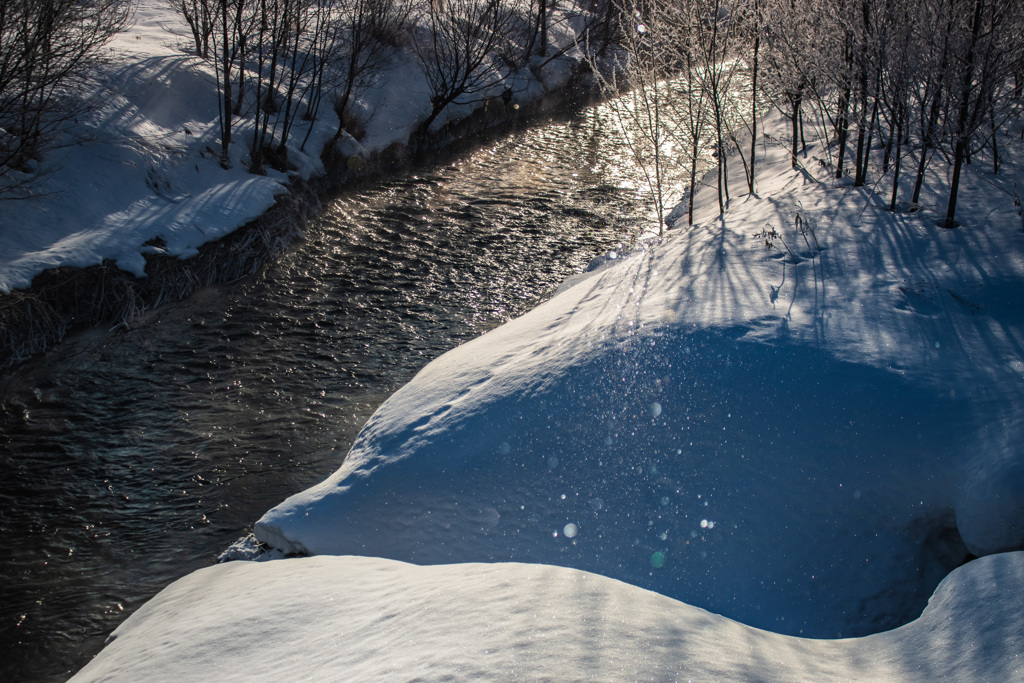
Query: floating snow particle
(552,462)
(655,409)
(504,448)
(641,28)
(490,517)
(596,503)
(658,559)
(570,530)
(664,501)
(703,524)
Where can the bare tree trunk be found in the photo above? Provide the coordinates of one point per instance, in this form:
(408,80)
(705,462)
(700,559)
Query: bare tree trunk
(927,143)
(803,140)
(995,133)
(963,112)
(694,151)
(928,134)
(887,154)
(226,112)
(842,130)
(240,52)
(899,157)
(543,14)
(256,149)
(795,100)
(753,98)
(868,142)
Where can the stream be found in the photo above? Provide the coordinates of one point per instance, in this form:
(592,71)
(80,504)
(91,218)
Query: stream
(130,459)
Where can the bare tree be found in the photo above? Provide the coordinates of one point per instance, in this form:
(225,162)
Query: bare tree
(364,35)
(983,61)
(276,21)
(228,49)
(458,51)
(754,29)
(714,45)
(47,49)
(199,15)
(688,101)
(787,72)
(897,33)
(639,90)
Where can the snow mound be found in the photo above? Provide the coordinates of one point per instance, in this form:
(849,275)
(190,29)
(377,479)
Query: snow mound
(805,439)
(351,618)
(675,471)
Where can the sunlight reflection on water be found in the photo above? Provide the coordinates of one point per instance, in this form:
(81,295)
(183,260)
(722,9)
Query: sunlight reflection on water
(129,460)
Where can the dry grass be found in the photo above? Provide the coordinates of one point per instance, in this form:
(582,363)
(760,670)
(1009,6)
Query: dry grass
(65,299)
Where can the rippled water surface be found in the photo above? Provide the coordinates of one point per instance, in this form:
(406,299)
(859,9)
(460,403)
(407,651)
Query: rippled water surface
(128,460)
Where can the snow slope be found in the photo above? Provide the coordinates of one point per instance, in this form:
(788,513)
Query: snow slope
(142,174)
(805,439)
(363,619)
(135,174)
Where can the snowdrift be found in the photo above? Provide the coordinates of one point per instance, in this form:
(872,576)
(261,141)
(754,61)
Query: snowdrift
(351,618)
(805,439)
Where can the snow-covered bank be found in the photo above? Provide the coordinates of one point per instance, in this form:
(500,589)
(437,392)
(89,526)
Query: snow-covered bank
(353,618)
(142,183)
(761,433)
(144,168)
(805,439)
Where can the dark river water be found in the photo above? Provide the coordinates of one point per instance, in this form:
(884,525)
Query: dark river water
(129,460)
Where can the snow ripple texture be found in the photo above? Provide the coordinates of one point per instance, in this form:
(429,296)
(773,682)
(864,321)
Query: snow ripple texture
(366,619)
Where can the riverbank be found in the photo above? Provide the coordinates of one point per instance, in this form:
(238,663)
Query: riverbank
(138,212)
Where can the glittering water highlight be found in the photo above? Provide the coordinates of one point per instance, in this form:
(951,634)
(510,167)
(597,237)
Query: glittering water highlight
(128,460)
